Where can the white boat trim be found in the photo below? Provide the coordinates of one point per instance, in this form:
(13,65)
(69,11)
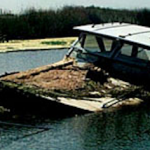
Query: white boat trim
(131,33)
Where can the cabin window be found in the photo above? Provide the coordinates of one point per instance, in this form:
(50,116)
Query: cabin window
(126,50)
(107,44)
(143,54)
(90,44)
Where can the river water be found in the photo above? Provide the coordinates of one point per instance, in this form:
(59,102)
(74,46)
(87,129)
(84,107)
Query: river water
(126,129)
(19,61)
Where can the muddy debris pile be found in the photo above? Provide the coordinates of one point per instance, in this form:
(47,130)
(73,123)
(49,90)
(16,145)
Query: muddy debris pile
(68,80)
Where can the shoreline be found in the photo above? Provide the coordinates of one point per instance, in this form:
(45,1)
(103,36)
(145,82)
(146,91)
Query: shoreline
(30,50)
(36,44)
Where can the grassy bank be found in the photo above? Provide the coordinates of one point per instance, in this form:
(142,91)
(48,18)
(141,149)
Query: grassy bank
(37,44)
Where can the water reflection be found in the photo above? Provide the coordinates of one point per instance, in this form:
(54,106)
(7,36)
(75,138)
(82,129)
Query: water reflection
(124,129)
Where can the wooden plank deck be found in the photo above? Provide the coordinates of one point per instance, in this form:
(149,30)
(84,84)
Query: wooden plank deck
(94,104)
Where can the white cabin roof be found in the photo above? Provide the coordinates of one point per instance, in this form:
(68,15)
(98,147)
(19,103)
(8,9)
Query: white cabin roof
(123,31)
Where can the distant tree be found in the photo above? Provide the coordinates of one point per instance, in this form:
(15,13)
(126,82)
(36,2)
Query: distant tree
(33,23)
(143,17)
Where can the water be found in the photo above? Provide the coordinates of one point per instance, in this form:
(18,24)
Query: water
(20,61)
(126,129)
(121,130)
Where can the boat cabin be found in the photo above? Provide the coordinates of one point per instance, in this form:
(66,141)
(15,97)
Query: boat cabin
(123,49)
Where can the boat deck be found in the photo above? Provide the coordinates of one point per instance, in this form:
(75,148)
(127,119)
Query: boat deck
(88,88)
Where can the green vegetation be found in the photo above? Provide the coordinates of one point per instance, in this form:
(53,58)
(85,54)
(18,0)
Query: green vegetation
(33,24)
(54,42)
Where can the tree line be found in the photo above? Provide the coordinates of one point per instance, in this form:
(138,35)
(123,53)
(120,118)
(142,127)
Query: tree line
(33,24)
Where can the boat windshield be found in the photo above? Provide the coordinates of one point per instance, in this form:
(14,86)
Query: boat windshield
(89,47)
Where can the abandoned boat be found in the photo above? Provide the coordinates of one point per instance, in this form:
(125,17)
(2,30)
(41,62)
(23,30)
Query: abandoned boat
(122,49)
(104,68)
